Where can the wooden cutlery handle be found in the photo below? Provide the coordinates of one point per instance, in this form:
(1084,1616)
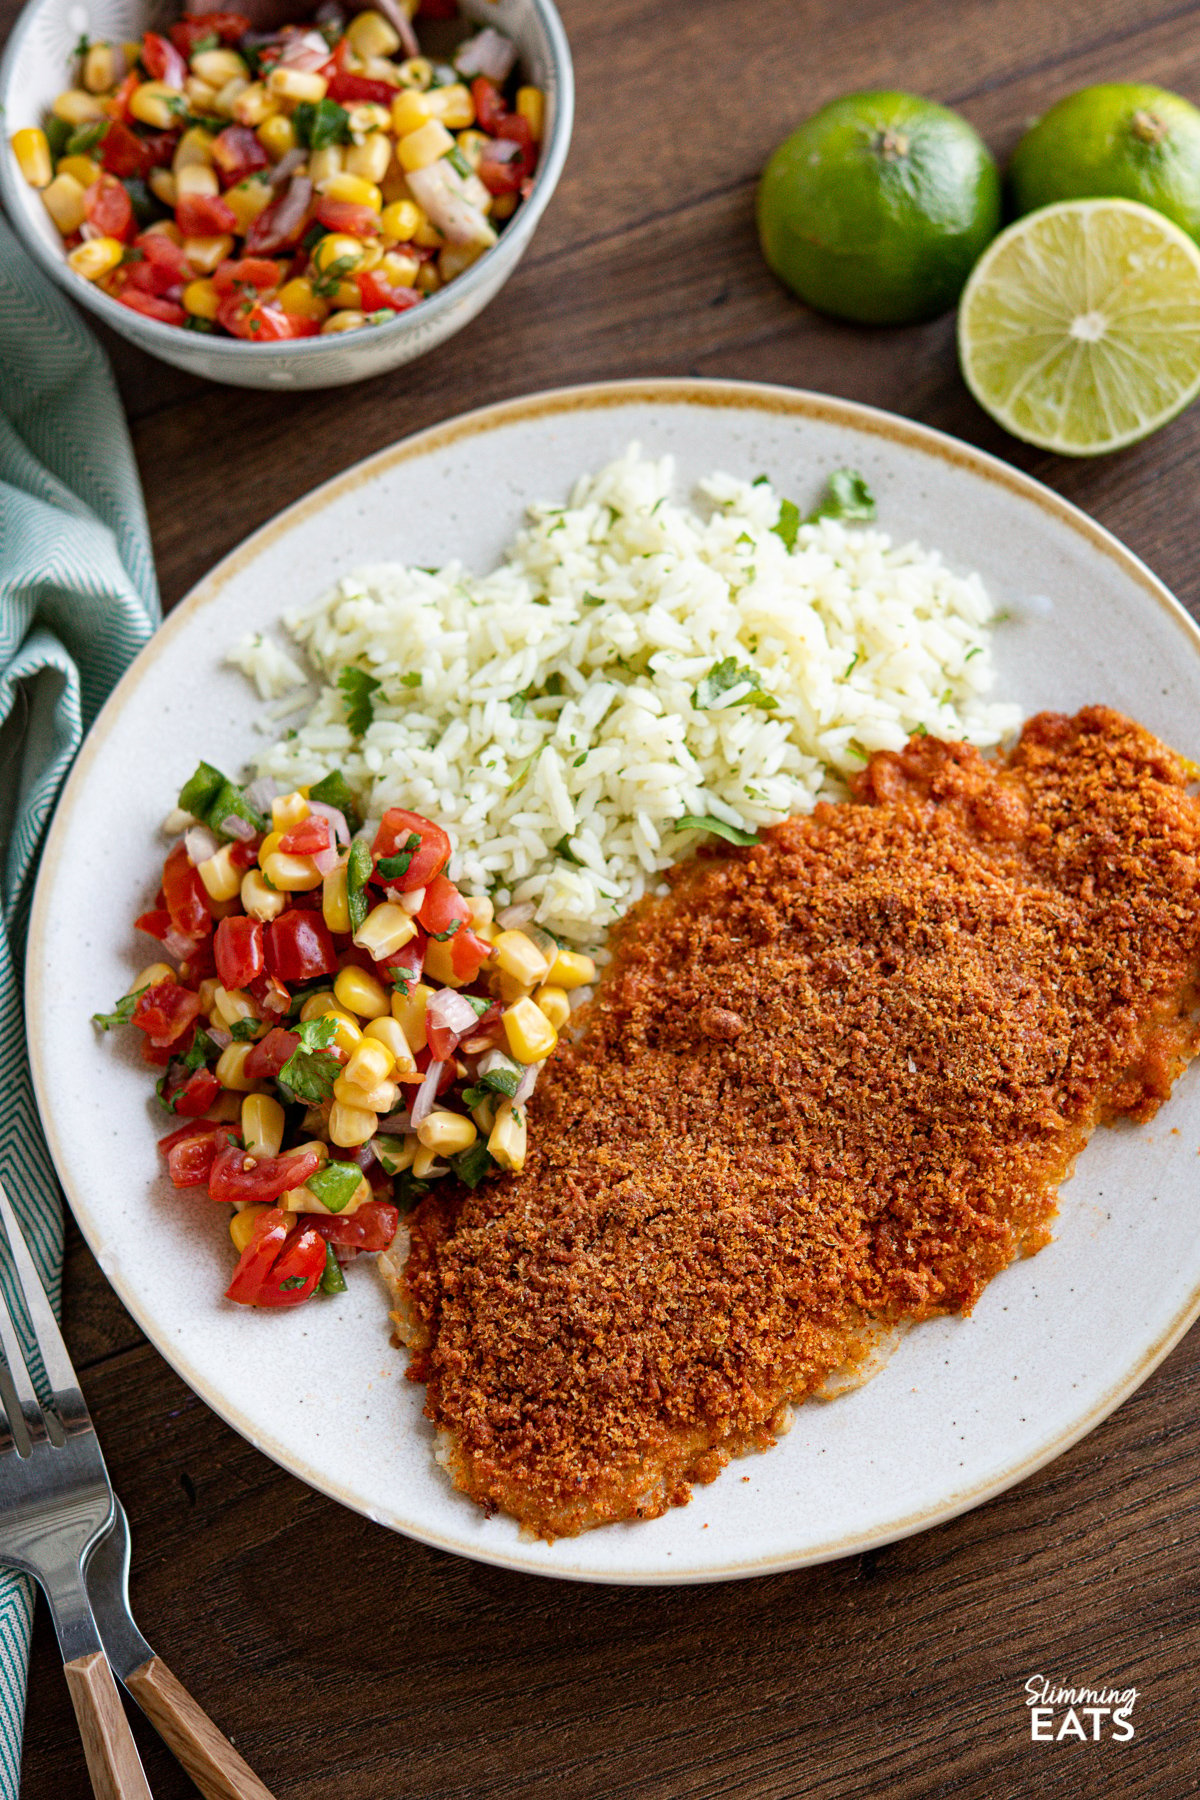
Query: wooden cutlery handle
(209,1758)
(112,1759)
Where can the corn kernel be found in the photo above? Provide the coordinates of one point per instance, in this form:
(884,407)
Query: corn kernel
(400,221)
(350,1126)
(254,104)
(131,49)
(277,135)
(386,928)
(370,34)
(260,901)
(296,84)
(159,971)
(64,202)
(335,907)
(303,1200)
(84,169)
(428,280)
(194,147)
(401,271)
(100,69)
(519,956)
(425,1163)
(390,1034)
(317,1005)
(503,206)
(370,1063)
(411,110)
(197,178)
(154,103)
(162,185)
(370,159)
(231,1068)
(418,149)
(292,874)
(366,118)
(262,1125)
(453,105)
(337,248)
(347,1032)
(31,147)
(383,1098)
(200,95)
(484,1115)
(471,146)
(218,66)
(439,965)
(507,1138)
(353,189)
(446,1132)
(455,259)
(165,228)
(288,810)
(531,1036)
(531,106)
(571,969)
(324,164)
(247,200)
(511,989)
(360,993)
(241,1225)
(394,1159)
(207,993)
(416,72)
(553,1002)
(230,1006)
(408,1010)
(345,319)
(204,253)
(227,97)
(96,257)
(221,879)
(77,108)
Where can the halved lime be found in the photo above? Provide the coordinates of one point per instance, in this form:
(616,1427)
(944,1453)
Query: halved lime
(1079,329)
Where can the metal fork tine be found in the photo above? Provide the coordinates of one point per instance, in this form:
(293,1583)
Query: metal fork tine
(14,1356)
(49,1338)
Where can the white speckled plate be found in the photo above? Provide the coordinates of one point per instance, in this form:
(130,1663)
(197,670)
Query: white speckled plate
(966,1407)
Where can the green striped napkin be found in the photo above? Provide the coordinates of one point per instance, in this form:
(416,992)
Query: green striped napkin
(78,599)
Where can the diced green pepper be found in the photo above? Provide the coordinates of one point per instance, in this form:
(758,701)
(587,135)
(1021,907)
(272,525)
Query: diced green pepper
(332,1280)
(358,871)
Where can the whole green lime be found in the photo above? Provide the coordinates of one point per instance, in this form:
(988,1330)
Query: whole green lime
(877,208)
(1121,140)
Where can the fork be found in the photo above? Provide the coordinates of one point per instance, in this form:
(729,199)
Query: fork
(56,1501)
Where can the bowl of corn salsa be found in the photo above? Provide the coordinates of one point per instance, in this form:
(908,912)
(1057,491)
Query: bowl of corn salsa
(301,208)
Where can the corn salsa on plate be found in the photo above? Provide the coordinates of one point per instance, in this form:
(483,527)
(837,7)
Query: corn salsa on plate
(970,1406)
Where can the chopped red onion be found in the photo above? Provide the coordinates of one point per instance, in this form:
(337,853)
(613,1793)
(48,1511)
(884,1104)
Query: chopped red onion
(200,843)
(487,53)
(222,1039)
(423,1105)
(397,1121)
(177,945)
(453,1012)
(326,861)
(260,793)
(512,916)
(284,169)
(337,820)
(238,828)
(527,1082)
(308,51)
(494,1059)
(503,150)
(413,901)
(398,17)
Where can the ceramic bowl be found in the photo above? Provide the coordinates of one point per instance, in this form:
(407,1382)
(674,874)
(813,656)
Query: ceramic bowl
(35,69)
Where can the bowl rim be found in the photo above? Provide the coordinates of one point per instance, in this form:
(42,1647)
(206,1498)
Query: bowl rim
(153,333)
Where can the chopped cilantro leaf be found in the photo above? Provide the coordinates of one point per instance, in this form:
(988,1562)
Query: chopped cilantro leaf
(392,867)
(413,679)
(702,822)
(310,1071)
(359,866)
(320,124)
(359,689)
(846,496)
(121,1013)
(388,1150)
(83,141)
(787,524)
(335,1184)
(334,790)
(408,1190)
(459,163)
(472,1165)
(726,675)
(293,1281)
(502,1079)
(516,705)
(563,846)
(200,1053)
(401,979)
(442,937)
(243,1031)
(593,600)
(332,1280)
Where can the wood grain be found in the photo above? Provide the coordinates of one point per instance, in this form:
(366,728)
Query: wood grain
(108,1747)
(348,1662)
(208,1756)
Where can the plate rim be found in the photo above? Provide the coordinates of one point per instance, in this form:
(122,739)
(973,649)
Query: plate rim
(546,403)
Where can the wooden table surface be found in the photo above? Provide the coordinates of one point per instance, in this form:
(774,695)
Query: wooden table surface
(348,1662)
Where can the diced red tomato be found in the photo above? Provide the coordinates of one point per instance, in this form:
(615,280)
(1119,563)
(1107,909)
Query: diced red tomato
(191,1150)
(502,177)
(109,208)
(155,923)
(204,215)
(348,89)
(448,1076)
(185,896)
(262,322)
(429,857)
(194,1094)
(237,153)
(198,964)
(164,1012)
(238,948)
(122,152)
(193,29)
(279,1266)
(299,946)
(163,265)
(236,1176)
(443,908)
(152,306)
(272,995)
(344,215)
(257,272)
(376,293)
(117,104)
(243,852)
(490,105)
(162,60)
(268,1056)
(438,9)
(157,1055)
(372,1227)
(468,953)
(517,129)
(410,957)
(308,838)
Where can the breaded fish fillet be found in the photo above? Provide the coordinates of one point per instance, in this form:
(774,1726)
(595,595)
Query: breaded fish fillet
(831,1080)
